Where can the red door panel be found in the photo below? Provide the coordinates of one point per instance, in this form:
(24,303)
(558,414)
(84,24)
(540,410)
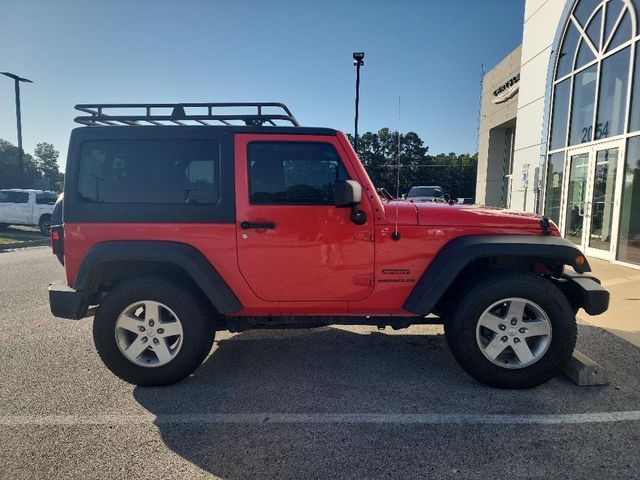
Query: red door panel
(313,252)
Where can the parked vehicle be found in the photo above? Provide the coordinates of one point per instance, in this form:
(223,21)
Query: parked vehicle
(27,207)
(426,193)
(170,233)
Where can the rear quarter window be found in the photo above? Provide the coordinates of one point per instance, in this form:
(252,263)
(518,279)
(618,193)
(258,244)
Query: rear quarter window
(154,171)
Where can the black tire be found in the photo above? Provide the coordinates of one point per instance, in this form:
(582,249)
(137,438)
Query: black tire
(460,329)
(45,225)
(195,314)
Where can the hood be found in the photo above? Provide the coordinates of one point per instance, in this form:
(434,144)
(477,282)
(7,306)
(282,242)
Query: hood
(443,214)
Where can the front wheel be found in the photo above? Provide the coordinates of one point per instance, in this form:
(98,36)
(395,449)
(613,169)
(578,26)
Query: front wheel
(153,332)
(515,330)
(45,225)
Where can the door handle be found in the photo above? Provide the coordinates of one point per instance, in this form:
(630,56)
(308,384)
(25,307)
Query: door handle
(246,225)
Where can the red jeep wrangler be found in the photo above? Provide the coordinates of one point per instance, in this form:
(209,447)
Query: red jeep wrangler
(178,222)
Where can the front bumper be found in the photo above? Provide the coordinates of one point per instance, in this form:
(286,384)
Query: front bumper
(65,302)
(585,292)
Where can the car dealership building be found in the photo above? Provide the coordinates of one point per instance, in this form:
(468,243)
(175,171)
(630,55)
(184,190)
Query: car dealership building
(560,124)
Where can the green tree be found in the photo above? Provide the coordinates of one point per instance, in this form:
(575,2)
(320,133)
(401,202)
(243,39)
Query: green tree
(382,151)
(47,162)
(9,172)
(39,172)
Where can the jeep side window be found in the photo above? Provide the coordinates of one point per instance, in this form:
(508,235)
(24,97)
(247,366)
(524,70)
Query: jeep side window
(163,171)
(293,173)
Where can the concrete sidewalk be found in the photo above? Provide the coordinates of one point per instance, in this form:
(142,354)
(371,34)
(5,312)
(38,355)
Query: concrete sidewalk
(623,316)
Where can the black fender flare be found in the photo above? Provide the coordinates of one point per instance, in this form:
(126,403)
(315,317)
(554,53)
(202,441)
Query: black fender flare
(459,252)
(184,256)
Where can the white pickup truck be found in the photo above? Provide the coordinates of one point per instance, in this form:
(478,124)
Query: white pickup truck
(27,207)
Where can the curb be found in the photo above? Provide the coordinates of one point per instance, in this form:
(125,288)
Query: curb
(585,372)
(28,243)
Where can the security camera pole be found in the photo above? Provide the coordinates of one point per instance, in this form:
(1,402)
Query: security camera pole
(358,61)
(17,81)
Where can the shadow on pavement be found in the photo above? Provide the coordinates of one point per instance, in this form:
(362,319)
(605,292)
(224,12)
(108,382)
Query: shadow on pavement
(330,370)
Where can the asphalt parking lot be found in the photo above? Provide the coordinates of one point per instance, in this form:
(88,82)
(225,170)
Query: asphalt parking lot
(322,403)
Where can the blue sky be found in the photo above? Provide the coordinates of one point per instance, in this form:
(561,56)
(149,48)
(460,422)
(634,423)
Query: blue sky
(298,52)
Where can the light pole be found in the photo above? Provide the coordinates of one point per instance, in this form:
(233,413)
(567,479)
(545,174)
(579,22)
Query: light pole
(358,61)
(17,81)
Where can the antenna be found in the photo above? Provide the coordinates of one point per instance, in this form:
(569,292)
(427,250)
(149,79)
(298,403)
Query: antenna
(396,235)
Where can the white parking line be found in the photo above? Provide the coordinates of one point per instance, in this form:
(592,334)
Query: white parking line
(320,418)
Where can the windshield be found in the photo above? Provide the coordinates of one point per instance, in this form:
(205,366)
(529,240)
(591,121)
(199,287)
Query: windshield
(425,192)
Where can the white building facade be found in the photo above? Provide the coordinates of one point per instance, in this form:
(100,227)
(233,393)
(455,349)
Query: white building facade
(576,151)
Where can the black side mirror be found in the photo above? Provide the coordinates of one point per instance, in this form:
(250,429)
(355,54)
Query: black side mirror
(348,193)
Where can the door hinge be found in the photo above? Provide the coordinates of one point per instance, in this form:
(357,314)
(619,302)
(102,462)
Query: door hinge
(366,235)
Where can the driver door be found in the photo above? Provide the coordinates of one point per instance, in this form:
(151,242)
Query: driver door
(294,245)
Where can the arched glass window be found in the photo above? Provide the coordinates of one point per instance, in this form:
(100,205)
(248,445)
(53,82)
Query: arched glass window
(594,129)
(596,84)
(591,84)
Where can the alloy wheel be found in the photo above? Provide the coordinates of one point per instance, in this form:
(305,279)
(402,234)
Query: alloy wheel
(514,333)
(149,333)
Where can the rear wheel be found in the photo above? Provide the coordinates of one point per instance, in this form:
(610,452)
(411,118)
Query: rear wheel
(153,332)
(515,330)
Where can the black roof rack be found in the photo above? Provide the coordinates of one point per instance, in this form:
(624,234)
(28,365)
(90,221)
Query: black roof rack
(267,113)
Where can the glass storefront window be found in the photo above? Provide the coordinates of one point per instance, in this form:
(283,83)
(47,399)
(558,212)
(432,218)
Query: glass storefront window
(636,4)
(612,99)
(560,115)
(595,118)
(602,198)
(593,30)
(614,7)
(584,93)
(555,171)
(584,9)
(606,25)
(576,197)
(567,52)
(622,34)
(629,233)
(585,54)
(634,120)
